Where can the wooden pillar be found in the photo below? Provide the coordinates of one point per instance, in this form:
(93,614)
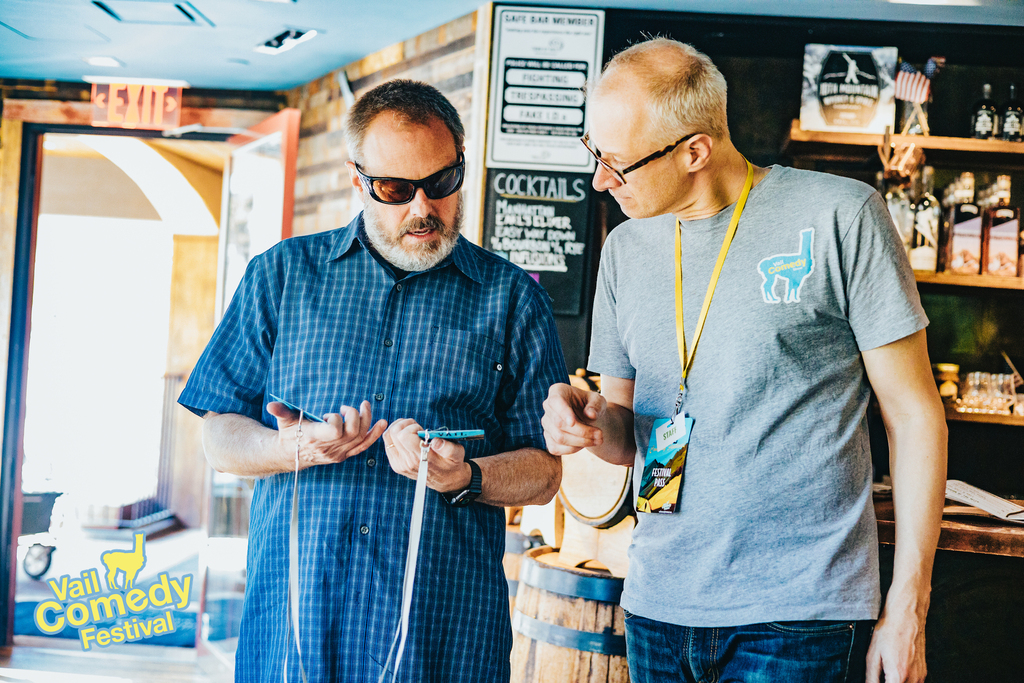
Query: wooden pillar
(10,470)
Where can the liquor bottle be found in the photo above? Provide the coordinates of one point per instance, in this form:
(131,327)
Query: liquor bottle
(963,242)
(924,250)
(1001,249)
(984,115)
(902,213)
(1012,117)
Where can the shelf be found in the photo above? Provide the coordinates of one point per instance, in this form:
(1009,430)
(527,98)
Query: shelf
(1011,420)
(861,146)
(984,281)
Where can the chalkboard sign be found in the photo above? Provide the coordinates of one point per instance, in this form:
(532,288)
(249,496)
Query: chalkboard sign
(540,221)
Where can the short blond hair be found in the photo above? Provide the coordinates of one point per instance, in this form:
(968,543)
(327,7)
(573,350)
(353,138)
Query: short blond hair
(687,91)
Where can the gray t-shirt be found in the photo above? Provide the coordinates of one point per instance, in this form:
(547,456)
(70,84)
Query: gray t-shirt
(775,520)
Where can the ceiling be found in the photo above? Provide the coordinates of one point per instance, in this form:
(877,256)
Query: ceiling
(210,43)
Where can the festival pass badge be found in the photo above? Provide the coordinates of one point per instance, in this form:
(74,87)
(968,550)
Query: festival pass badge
(663,466)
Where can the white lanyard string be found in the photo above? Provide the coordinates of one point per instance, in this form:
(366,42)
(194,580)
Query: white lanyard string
(412,554)
(293,565)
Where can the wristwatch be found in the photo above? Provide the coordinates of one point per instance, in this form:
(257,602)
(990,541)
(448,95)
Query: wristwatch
(463,497)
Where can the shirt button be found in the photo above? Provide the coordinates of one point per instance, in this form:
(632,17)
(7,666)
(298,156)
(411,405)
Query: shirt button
(398,287)
(388,342)
(378,397)
(498,366)
(370,462)
(364,530)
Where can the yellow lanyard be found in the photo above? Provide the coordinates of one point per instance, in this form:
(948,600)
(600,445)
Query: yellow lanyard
(686,359)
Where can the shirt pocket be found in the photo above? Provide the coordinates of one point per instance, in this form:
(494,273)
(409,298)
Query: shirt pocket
(471,366)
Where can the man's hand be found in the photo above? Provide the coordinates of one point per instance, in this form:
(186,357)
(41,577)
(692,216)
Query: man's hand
(570,419)
(346,433)
(897,648)
(447,469)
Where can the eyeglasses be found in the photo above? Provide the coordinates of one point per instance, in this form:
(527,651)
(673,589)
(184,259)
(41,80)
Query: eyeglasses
(620,175)
(444,183)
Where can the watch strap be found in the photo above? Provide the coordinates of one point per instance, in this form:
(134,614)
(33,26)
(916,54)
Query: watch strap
(464,497)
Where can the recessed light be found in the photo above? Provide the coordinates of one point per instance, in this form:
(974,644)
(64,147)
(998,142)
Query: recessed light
(103,61)
(285,41)
(169,82)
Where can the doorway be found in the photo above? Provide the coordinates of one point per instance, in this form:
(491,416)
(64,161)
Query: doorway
(113,343)
(118,281)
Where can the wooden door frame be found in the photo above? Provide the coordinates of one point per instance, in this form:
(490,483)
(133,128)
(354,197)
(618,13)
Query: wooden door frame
(24,124)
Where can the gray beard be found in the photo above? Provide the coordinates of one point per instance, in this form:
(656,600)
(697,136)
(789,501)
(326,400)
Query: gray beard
(423,257)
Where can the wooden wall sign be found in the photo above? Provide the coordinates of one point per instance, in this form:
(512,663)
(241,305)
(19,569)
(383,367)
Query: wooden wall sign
(136,106)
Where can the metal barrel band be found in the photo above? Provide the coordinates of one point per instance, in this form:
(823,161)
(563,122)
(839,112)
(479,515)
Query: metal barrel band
(569,583)
(560,636)
(513,587)
(516,542)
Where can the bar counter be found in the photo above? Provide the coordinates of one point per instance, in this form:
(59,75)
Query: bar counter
(973,632)
(961,533)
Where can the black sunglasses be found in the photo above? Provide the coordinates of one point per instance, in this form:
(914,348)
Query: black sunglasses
(643,162)
(444,183)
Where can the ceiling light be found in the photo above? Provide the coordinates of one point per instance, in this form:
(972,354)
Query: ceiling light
(103,61)
(284,41)
(169,82)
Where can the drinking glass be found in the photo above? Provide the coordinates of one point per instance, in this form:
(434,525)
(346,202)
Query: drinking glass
(1007,395)
(986,399)
(970,401)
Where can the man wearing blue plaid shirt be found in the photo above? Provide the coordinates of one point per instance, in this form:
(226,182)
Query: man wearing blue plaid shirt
(398,315)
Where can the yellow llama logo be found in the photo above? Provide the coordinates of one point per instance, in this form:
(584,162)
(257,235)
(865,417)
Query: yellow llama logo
(124,563)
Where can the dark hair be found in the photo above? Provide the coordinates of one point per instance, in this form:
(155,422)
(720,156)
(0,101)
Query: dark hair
(414,101)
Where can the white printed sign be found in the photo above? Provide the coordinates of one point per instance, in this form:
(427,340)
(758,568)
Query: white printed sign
(541,61)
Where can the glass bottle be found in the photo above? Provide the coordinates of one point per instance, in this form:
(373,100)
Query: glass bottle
(984,115)
(902,213)
(1012,117)
(1001,248)
(963,235)
(924,250)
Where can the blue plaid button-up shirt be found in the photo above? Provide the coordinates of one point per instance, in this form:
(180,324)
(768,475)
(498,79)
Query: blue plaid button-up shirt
(469,344)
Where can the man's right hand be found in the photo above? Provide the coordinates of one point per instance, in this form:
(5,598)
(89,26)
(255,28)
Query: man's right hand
(571,419)
(344,434)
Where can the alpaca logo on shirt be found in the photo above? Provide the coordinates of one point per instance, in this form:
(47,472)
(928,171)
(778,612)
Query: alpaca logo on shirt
(792,269)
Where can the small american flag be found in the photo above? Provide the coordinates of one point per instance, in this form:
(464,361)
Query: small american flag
(911,84)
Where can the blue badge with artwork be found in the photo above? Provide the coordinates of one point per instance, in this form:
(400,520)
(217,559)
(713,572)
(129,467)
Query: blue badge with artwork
(792,269)
(662,480)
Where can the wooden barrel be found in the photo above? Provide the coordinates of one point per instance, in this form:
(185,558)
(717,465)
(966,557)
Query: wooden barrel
(516,543)
(595,492)
(568,625)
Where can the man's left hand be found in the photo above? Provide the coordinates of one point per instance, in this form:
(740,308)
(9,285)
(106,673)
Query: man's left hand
(897,648)
(447,468)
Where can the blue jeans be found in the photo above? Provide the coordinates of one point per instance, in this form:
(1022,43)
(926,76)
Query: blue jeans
(776,652)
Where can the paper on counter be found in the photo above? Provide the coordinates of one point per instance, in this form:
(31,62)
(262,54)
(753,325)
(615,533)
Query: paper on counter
(963,492)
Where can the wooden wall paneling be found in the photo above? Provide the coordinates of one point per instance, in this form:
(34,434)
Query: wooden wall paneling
(445,57)
(193,294)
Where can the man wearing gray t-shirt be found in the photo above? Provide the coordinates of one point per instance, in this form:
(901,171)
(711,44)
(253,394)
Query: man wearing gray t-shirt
(762,565)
